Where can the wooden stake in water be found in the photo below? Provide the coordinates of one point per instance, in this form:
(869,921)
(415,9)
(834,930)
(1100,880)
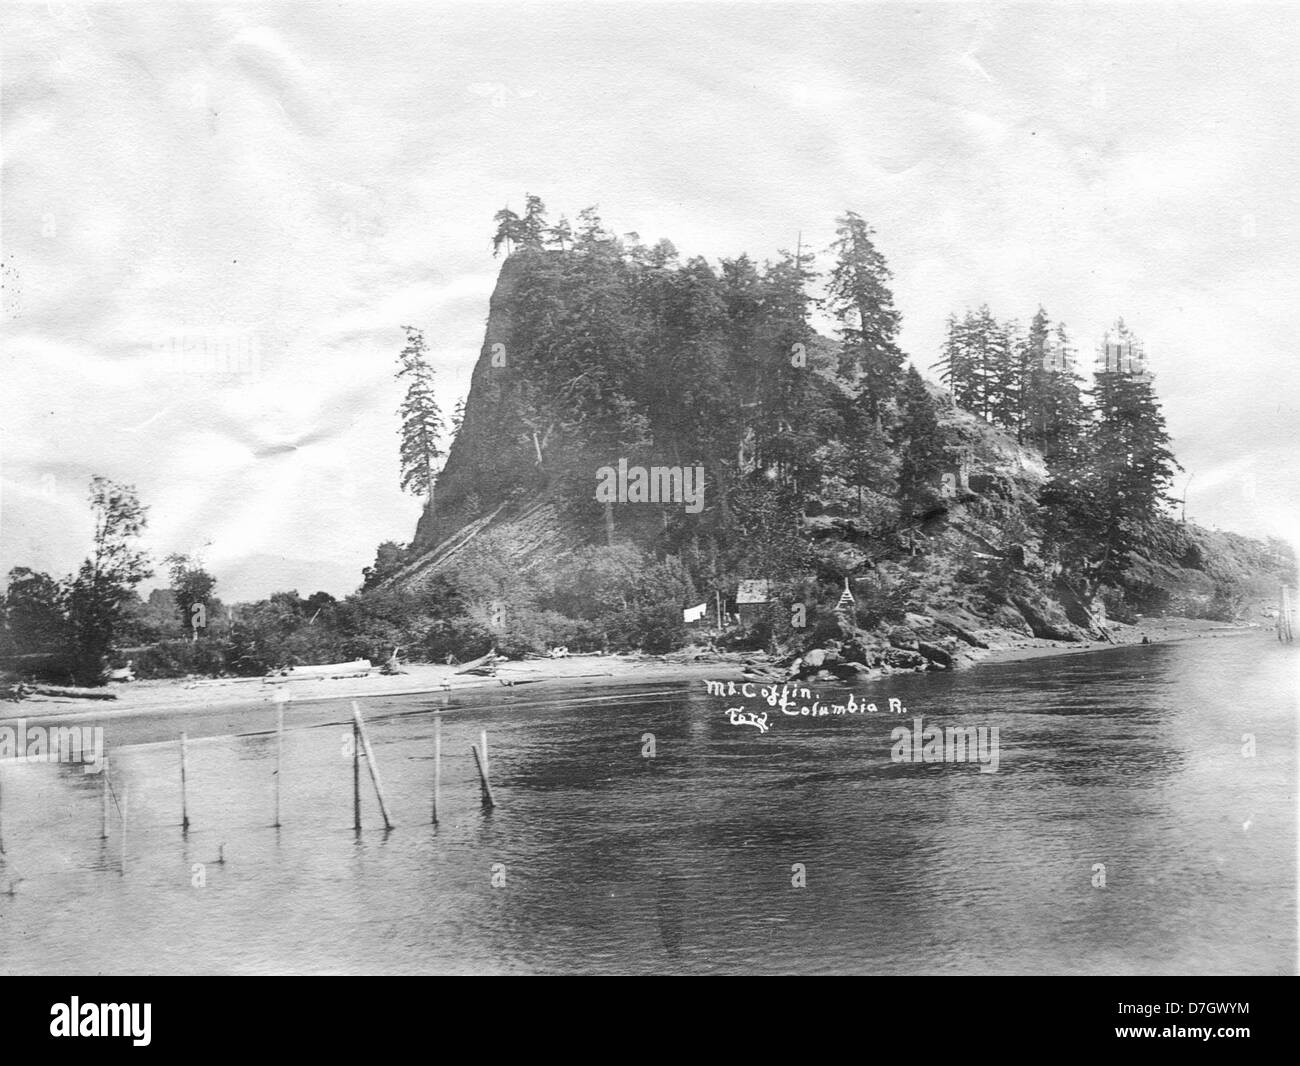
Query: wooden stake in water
(370,762)
(279,756)
(482,747)
(356,777)
(185,817)
(437,765)
(104,797)
(481,763)
(124,808)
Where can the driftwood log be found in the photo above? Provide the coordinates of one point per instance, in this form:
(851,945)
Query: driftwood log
(483,664)
(74,693)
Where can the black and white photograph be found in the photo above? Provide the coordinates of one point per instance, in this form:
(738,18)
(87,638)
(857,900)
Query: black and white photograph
(674,489)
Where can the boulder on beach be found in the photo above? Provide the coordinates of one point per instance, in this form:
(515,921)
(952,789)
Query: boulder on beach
(902,659)
(937,655)
(1047,620)
(902,637)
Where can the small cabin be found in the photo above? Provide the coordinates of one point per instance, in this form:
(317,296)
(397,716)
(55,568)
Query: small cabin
(751,599)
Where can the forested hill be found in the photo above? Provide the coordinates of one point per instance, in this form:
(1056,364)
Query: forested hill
(1023,495)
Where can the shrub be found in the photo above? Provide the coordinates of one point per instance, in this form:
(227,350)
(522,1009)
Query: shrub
(530,632)
(462,637)
(885,601)
(655,628)
(179,658)
(1145,597)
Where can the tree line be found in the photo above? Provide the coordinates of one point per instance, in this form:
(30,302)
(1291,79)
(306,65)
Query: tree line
(70,627)
(1105,442)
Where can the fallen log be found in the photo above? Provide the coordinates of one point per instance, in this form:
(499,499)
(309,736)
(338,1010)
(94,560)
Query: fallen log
(74,693)
(356,668)
(477,664)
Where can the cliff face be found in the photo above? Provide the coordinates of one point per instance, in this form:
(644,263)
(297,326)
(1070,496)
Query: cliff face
(977,559)
(466,491)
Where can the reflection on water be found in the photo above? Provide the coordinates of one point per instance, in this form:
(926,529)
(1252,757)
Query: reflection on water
(609,862)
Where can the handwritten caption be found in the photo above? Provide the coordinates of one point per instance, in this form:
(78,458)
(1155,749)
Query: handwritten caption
(793,700)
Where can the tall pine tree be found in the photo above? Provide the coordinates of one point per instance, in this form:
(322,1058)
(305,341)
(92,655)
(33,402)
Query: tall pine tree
(1129,444)
(1053,416)
(859,296)
(957,367)
(421,417)
(923,456)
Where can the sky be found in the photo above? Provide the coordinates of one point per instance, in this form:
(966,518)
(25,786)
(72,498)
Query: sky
(216,219)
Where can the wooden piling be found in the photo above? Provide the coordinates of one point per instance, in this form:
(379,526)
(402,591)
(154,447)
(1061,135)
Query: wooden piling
(482,747)
(125,797)
(481,763)
(437,765)
(279,756)
(356,777)
(104,798)
(185,816)
(370,762)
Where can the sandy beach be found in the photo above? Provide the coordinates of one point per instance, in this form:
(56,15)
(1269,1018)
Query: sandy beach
(184,695)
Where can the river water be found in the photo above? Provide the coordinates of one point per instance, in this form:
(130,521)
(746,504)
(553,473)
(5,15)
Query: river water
(804,849)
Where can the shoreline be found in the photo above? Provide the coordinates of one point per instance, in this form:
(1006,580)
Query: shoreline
(179,696)
(1159,631)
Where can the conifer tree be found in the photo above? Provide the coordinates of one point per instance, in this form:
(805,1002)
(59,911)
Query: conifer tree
(871,460)
(510,231)
(923,455)
(421,417)
(786,437)
(990,351)
(858,294)
(957,367)
(1053,416)
(979,366)
(561,234)
(1006,375)
(592,234)
(533,229)
(1100,503)
(1129,444)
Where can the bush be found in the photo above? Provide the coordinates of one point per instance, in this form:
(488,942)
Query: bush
(1145,598)
(530,632)
(754,639)
(1118,607)
(179,658)
(654,628)
(462,637)
(1227,605)
(885,601)
(578,634)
